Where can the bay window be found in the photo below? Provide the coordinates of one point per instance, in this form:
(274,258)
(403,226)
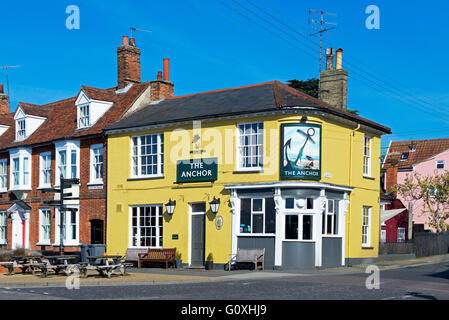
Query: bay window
(299,227)
(67,160)
(330,218)
(20,176)
(146,226)
(257,216)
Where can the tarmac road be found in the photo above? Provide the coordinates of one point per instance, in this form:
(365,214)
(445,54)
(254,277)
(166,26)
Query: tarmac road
(420,282)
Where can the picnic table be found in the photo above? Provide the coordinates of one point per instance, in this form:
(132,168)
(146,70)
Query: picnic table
(24,262)
(66,263)
(104,266)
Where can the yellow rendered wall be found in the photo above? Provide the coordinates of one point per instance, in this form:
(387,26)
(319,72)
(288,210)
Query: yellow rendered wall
(338,142)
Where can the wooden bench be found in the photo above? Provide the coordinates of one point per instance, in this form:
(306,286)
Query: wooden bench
(132,255)
(256,256)
(158,255)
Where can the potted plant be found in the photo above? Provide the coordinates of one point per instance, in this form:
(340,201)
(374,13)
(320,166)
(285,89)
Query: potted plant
(210,261)
(178,258)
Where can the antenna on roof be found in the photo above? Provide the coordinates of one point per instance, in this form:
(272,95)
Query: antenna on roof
(7,80)
(136,29)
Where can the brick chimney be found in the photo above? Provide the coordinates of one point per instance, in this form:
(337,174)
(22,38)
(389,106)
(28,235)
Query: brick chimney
(4,101)
(334,82)
(162,87)
(128,63)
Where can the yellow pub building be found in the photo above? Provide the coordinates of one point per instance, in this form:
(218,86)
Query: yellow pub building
(261,166)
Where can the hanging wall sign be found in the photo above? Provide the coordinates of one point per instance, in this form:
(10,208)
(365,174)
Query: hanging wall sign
(197,170)
(300,151)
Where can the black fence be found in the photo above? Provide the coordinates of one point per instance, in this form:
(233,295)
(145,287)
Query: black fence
(422,245)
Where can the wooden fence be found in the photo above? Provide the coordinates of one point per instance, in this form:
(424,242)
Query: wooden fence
(422,245)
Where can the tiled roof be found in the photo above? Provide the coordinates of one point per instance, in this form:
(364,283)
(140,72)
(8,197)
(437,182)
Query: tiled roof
(269,96)
(61,117)
(423,149)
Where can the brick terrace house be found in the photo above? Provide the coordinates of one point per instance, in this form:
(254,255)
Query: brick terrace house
(425,157)
(39,143)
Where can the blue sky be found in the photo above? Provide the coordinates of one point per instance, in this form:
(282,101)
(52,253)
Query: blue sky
(212,47)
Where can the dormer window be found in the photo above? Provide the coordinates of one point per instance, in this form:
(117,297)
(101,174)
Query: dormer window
(28,123)
(404,156)
(84,116)
(21,130)
(90,110)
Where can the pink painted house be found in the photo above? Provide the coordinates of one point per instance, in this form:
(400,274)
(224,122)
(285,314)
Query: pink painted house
(425,157)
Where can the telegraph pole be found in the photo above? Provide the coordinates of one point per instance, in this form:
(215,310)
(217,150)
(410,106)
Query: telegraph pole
(323,28)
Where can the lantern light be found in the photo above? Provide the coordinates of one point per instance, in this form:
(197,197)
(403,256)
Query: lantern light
(214,205)
(170,206)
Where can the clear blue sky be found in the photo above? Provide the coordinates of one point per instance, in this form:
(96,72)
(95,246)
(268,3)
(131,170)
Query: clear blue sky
(212,47)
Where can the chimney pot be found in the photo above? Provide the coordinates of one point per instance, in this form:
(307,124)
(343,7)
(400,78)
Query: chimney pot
(330,59)
(1,89)
(339,64)
(132,42)
(125,41)
(159,75)
(167,69)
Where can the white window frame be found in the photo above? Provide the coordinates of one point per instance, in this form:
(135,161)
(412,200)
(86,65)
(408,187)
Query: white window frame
(42,231)
(3,227)
(67,230)
(366,227)
(367,155)
(3,175)
(334,214)
(136,159)
(401,230)
(44,170)
(159,217)
(439,162)
(21,129)
(24,173)
(263,212)
(84,116)
(93,164)
(258,144)
(68,147)
(300,216)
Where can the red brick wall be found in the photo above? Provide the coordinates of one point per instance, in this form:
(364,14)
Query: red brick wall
(161,89)
(391,178)
(92,202)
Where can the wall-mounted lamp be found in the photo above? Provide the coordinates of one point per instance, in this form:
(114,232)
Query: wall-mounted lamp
(170,206)
(214,205)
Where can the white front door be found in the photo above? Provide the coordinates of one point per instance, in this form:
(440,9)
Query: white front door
(20,229)
(17,231)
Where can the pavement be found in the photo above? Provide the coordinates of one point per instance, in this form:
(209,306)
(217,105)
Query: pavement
(157,276)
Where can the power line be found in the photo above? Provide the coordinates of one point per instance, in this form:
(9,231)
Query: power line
(397,96)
